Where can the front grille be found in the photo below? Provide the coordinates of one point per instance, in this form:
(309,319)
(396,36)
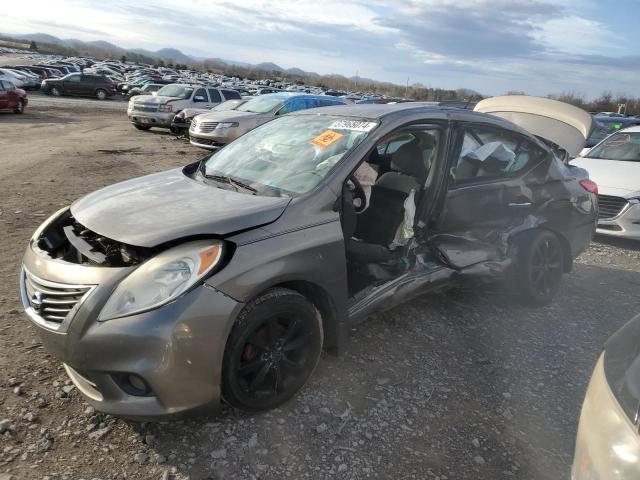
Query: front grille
(610,206)
(207,127)
(53,302)
(140,107)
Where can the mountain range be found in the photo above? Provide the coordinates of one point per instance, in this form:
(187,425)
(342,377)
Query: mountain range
(166,54)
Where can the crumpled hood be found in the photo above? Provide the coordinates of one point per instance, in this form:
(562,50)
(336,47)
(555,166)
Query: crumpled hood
(192,112)
(614,177)
(158,208)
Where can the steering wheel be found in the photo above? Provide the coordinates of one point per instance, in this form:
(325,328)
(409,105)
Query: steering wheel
(358,194)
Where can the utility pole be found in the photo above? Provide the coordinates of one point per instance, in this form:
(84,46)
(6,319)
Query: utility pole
(406,90)
(355,88)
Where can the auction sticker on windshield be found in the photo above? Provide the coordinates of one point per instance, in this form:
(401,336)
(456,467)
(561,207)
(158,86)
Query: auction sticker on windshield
(354,125)
(326,138)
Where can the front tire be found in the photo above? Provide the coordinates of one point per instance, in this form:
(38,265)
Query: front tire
(540,268)
(20,107)
(272,350)
(142,127)
(56,92)
(101,94)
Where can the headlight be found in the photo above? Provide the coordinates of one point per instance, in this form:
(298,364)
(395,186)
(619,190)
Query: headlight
(46,223)
(163,278)
(165,108)
(227,125)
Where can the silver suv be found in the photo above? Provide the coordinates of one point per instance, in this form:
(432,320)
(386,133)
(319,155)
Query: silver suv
(146,111)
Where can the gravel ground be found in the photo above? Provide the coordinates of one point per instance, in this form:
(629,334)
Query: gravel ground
(461,384)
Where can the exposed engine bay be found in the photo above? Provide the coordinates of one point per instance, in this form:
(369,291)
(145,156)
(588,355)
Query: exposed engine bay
(66,239)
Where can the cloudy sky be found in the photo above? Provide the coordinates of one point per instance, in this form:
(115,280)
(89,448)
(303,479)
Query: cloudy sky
(538,46)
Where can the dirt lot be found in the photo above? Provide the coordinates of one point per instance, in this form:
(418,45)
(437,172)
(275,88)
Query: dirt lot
(463,384)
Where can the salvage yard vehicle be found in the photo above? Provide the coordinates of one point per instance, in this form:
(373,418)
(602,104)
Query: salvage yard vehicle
(147,89)
(146,111)
(12,98)
(80,84)
(182,120)
(226,278)
(215,129)
(607,443)
(614,164)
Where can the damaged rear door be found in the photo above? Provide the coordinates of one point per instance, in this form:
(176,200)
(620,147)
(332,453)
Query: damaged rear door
(495,187)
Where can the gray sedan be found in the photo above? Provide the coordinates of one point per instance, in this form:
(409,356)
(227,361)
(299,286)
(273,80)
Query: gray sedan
(216,129)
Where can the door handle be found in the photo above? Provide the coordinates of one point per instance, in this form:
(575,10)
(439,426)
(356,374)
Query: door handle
(521,205)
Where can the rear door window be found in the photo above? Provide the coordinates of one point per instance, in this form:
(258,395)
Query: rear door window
(8,85)
(214,95)
(231,94)
(492,153)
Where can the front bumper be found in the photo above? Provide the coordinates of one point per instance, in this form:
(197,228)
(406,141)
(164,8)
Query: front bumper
(176,349)
(626,224)
(152,119)
(608,444)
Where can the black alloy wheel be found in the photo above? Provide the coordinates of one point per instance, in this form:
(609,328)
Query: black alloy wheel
(541,268)
(272,350)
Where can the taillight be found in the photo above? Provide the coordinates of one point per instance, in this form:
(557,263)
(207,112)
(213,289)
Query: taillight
(590,186)
(19,78)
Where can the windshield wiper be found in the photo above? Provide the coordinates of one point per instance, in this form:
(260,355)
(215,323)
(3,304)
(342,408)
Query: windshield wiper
(230,181)
(242,185)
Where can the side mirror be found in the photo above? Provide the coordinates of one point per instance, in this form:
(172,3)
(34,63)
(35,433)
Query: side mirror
(584,151)
(199,98)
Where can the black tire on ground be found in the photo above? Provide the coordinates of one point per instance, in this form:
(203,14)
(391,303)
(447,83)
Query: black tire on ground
(142,127)
(20,107)
(272,350)
(174,130)
(540,267)
(55,91)
(101,94)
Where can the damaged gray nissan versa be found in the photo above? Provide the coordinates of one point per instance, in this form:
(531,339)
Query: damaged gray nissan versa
(225,279)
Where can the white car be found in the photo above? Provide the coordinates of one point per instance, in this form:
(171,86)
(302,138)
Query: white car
(13,77)
(607,443)
(614,164)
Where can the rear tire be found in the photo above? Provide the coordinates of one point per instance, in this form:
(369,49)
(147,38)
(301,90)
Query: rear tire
(20,107)
(540,268)
(141,127)
(101,94)
(272,350)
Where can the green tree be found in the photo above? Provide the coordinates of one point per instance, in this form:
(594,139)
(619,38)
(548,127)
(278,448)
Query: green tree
(33,46)
(123,59)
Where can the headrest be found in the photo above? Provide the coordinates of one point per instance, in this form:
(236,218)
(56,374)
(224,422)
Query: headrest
(408,160)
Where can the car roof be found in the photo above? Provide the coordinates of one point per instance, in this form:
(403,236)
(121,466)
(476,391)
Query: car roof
(288,95)
(377,111)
